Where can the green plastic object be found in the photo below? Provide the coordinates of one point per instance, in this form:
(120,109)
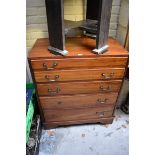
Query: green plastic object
(30,86)
(30,111)
(29,118)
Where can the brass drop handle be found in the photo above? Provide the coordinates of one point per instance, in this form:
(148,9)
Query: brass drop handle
(102,101)
(105,89)
(101,114)
(50,68)
(48,78)
(59,102)
(54,92)
(107,77)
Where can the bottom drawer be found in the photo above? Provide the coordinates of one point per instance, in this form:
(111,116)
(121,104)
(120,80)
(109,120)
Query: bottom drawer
(78,114)
(51,124)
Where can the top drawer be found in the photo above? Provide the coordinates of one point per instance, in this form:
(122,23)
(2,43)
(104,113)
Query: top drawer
(50,64)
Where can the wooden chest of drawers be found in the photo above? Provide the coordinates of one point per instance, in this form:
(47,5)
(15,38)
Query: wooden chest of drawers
(81,87)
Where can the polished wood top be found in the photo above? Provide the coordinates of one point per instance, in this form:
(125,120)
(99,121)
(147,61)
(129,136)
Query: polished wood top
(77,47)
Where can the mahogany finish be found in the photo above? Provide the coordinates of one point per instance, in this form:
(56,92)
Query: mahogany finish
(81,87)
(79,74)
(52,64)
(79,101)
(49,124)
(73,88)
(78,114)
(79,47)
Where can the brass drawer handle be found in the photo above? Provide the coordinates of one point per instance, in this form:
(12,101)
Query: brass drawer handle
(105,89)
(102,101)
(100,114)
(59,102)
(50,68)
(48,78)
(107,77)
(54,92)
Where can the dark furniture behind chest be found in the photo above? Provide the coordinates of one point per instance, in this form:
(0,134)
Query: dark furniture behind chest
(81,87)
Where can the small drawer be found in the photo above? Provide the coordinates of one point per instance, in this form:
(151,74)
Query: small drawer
(79,74)
(78,101)
(78,114)
(52,64)
(73,88)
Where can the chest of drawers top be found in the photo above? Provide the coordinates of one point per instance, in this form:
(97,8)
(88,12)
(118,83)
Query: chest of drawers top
(79,47)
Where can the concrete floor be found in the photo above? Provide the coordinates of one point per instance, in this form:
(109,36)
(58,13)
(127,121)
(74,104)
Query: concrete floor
(95,139)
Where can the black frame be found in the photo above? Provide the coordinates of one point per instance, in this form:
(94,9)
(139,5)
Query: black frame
(55,20)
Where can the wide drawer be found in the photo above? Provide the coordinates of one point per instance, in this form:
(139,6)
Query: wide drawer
(71,88)
(78,101)
(78,114)
(79,74)
(52,124)
(50,64)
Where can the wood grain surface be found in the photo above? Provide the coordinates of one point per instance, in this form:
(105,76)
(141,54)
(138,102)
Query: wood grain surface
(79,74)
(78,101)
(78,47)
(77,114)
(52,64)
(72,88)
(54,124)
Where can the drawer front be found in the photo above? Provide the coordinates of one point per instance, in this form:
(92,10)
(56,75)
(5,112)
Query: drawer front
(51,64)
(80,74)
(71,88)
(85,113)
(78,101)
(51,124)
